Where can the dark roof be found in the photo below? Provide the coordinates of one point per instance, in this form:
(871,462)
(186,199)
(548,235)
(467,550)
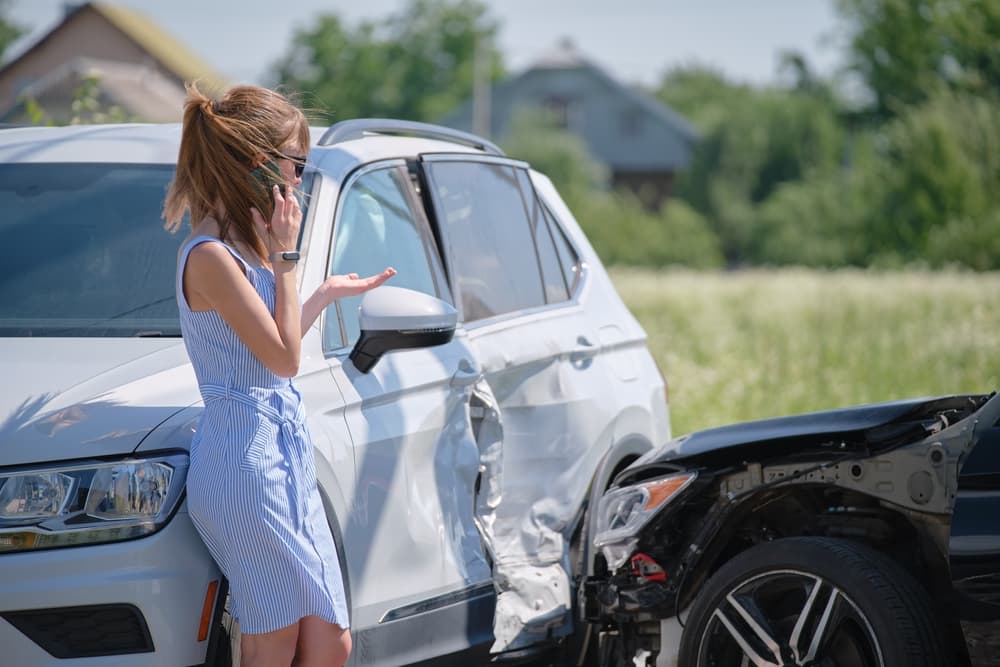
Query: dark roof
(622,126)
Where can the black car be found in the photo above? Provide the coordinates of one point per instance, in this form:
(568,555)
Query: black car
(862,536)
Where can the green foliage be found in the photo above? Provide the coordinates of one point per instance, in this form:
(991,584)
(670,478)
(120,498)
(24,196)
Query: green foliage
(535,138)
(417,64)
(622,230)
(702,94)
(905,49)
(754,140)
(783,174)
(789,175)
(815,222)
(86,107)
(9,31)
(746,345)
(967,242)
(940,172)
(926,195)
(33,111)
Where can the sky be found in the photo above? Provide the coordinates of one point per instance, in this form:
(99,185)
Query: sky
(634,40)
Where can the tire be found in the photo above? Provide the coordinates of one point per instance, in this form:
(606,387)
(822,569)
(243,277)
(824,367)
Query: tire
(582,647)
(816,601)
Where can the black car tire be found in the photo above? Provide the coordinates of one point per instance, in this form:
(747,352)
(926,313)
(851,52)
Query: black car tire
(871,605)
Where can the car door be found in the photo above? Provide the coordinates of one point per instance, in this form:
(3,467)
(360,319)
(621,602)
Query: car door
(974,545)
(540,354)
(414,556)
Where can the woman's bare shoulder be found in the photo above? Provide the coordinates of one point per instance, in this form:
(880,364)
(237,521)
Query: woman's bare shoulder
(212,259)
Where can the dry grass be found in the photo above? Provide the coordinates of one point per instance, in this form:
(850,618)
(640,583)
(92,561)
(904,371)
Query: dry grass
(747,345)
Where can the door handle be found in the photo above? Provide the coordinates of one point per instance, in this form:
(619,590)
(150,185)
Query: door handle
(584,350)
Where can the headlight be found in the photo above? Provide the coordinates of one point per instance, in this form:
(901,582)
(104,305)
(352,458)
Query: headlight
(623,512)
(88,502)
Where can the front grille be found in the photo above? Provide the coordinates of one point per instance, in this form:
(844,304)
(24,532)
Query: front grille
(83,632)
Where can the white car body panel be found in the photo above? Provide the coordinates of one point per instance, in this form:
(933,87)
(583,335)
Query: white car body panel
(75,398)
(399,450)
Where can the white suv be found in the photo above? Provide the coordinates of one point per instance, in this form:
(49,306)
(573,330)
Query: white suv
(463,415)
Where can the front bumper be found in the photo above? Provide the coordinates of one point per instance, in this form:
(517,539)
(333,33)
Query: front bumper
(164,577)
(606,600)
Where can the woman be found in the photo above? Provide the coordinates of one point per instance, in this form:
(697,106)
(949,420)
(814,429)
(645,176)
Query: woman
(251,487)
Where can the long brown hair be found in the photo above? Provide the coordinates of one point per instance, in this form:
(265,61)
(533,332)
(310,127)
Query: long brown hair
(221,143)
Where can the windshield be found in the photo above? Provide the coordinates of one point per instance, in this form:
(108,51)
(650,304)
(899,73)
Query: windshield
(83,251)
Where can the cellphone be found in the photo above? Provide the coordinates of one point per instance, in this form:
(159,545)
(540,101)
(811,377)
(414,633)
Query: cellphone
(264,175)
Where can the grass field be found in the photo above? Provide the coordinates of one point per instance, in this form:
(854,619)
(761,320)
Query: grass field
(748,345)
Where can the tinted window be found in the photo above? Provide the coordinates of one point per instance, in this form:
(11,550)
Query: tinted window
(568,258)
(84,251)
(381,224)
(548,260)
(482,212)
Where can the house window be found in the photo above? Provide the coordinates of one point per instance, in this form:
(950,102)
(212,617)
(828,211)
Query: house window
(559,110)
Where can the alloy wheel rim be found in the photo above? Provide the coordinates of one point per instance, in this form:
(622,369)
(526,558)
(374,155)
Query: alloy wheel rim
(786,618)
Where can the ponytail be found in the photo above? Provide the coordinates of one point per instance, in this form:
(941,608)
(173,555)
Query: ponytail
(222,142)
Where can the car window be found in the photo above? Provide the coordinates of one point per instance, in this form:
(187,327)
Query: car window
(568,259)
(381,223)
(494,265)
(548,260)
(84,251)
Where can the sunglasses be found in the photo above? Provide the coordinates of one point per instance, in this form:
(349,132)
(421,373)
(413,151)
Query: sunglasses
(298,161)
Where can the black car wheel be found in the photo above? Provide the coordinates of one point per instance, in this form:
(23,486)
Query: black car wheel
(813,602)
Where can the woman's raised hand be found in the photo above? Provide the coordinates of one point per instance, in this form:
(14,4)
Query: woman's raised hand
(281,232)
(340,286)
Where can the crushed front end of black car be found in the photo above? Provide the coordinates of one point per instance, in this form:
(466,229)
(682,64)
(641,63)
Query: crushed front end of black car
(791,541)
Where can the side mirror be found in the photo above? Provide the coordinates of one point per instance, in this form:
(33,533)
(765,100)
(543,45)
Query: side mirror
(396,318)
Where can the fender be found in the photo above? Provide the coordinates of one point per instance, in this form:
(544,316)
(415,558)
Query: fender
(621,454)
(335,506)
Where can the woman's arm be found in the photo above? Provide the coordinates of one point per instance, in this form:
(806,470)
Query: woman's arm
(214,275)
(337,287)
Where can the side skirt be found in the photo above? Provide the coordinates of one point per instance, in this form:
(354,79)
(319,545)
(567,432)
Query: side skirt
(451,629)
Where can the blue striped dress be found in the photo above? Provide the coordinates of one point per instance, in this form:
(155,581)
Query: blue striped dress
(251,487)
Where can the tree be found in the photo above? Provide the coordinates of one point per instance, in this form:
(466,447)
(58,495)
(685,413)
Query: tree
(905,50)
(942,164)
(417,64)
(754,140)
(702,94)
(621,229)
(9,31)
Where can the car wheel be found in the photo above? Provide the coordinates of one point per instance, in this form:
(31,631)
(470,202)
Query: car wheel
(812,601)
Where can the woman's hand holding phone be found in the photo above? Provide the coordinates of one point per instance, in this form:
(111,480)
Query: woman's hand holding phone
(281,232)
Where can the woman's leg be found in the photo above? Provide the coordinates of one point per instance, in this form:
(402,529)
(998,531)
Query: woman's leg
(322,644)
(269,649)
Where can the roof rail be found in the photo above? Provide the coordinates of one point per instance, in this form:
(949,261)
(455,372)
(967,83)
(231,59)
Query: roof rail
(356,128)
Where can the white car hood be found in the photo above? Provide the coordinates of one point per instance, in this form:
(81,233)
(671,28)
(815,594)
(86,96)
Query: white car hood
(70,398)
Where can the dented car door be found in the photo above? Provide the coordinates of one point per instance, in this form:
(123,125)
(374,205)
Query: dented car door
(416,560)
(550,388)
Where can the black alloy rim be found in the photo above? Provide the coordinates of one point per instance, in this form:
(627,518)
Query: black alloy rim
(788,618)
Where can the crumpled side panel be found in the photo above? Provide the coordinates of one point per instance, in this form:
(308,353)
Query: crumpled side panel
(525,540)
(456,462)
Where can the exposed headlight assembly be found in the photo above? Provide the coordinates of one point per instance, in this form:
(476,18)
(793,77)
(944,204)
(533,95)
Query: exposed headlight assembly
(88,502)
(623,512)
